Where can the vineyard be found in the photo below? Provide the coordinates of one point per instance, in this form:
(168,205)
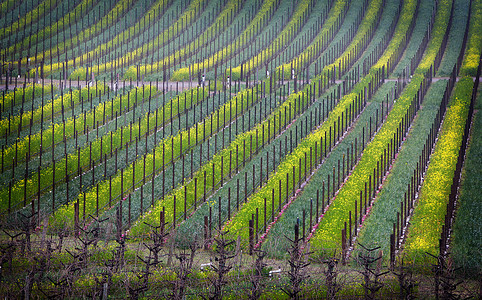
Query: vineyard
(262,149)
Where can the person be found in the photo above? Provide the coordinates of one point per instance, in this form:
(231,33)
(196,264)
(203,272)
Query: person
(92,80)
(203,80)
(116,82)
(228,82)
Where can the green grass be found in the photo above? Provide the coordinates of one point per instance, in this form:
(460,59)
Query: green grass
(296,22)
(423,19)
(329,30)
(456,36)
(11,100)
(114,44)
(379,224)
(95,174)
(50,108)
(61,147)
(230,9)
(198,160)
(474,44)
(110,16)
(30,18)
(328,234)
(388,15)
(276,246)
(467,234)
(225,154)
(191,226)
(224,53)
(429,212)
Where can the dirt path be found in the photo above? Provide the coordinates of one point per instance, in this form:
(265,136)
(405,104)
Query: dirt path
(168,86)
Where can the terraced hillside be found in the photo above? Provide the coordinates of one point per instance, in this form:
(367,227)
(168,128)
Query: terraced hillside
(316,137)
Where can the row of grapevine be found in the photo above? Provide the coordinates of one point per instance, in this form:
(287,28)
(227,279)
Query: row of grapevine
(465,240)
(427,222)
(172,145)
(303,113)
(6,5)
(236,188)
(252,30)
(259,204)
(221,166)
(473,48)
(48,110)
(225,17)
(180,25)
(376,159)
(396,201)
(31,17)
(23,95)
(298,19)
(100,148)
(320,42)
(180,202)
(208,167)
(109,19)
(347,108)
(303,203)
(48,31)
(122,37)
